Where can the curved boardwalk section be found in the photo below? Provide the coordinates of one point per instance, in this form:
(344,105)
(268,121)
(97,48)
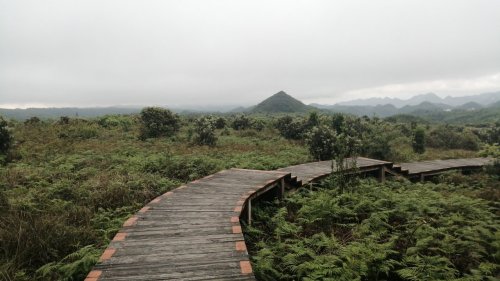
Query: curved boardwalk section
(194,231)
(190,233)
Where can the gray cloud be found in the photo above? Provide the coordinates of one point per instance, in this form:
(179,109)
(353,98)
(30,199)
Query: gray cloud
(238,52)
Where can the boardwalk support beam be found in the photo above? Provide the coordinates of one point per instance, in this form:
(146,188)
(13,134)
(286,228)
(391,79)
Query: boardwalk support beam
(282,189)
(249,211)
(381,176)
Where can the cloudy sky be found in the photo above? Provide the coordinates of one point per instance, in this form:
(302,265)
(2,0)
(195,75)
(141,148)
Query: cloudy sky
(181,53)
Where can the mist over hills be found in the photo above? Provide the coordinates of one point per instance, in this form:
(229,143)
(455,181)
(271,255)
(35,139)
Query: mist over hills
(483,107)
(482,99)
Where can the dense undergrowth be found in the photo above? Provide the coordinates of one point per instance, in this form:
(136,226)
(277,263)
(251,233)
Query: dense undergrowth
(393,231)
(67,186)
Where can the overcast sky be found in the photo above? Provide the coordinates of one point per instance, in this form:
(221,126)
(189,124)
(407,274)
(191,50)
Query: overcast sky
(179,53)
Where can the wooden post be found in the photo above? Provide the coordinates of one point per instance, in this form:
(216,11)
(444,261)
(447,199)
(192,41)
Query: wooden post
(422,177)
(381,175)
(249,211)
(282,189)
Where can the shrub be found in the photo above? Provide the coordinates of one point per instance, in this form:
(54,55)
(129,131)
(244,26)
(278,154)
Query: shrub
(5,136)
(32,121)
(113,121)
(258,125)
(220,123)
(241,122)
(63,120)
(181,168)
(321,142)
(419,141)
(290,128)
(158,122)
(79,132)
(338,122)
(205,131)
(452,138)
(313,120)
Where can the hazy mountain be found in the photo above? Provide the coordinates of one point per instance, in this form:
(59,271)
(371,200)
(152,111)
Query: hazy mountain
(470,106)
(360,110)
(424,107)
(281,102)
(482,99)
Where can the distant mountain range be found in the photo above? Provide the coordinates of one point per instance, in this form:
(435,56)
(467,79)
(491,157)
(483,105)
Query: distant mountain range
(483,107)
(482,99)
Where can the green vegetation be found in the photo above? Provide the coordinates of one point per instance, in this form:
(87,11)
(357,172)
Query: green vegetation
(205,131)
(393,231)
(419,141)
(281,102)
(5,138)
(67,185)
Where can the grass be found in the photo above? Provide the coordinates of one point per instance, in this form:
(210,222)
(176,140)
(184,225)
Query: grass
(69,187)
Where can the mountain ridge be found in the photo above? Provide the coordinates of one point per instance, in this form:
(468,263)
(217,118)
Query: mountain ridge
(482,99)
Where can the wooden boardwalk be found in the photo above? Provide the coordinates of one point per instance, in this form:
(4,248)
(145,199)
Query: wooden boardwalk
(190,233)
(194,232)
(433,167)
(314,171)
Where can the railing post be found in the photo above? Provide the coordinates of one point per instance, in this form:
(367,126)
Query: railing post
(381,175)
(282,189)
(249,211)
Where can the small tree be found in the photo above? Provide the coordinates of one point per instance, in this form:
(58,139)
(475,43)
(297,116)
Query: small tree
(313,120)
(321,142)
(241,122)
(338,122)
(419,141)
(258,125)
(290,128)
(205,131)
(220,123)
(32,121)
(5,137)
(158,122)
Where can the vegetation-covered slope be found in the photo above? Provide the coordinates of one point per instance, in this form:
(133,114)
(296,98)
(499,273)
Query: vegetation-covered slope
(281,102)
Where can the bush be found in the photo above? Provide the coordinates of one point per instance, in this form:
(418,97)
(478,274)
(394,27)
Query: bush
(113,121)
(419,141)
(321,142)
(241,122)
(32,121)
(79,132)
(338,122)
(158,122)
(5,137)
(181,168)
(452,138)
(220,123)
(258,125)
(205,131)
(290,128)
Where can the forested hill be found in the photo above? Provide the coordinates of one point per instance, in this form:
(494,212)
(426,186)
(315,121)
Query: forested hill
(281,102)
